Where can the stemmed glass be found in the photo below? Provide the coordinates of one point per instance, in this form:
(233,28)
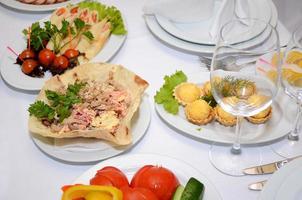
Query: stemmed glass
(292,83)
(241,87)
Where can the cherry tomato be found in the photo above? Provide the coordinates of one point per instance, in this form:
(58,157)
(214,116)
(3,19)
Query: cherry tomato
(161,181)
(71,53)
(26,54)
(115,176)
(60,62)
(29,65)
(138,194)
(46,57)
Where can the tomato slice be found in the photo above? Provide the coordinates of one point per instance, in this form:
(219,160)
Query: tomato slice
(100,180)
(138,174)
(112,174)
(161,181)
(60,11)
(138,194)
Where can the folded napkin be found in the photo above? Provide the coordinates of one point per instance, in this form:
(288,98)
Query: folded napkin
(183,11)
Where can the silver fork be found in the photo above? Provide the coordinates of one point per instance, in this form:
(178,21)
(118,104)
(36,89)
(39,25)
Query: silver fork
(228,62)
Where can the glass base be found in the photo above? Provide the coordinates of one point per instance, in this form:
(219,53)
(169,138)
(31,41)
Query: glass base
(288,148)
(231,164)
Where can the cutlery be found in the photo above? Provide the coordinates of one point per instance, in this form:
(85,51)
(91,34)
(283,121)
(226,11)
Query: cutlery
(257,186)
(268,168)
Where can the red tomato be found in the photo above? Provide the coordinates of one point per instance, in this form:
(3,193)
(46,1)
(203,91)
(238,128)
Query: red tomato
(100,180)
(74,10)
(161,181)
(46,57)
(71,53)
(29,65)
(111,174)
(26,54)
(60,62)
(137,175)
(138,194)
(60,11)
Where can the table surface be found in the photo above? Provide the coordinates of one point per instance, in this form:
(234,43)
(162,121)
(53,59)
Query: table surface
(27,173)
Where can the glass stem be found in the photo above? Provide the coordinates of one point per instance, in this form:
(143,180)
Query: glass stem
(236,149)
(294,133)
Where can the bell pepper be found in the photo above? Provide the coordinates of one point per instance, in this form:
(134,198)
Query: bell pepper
(92,192)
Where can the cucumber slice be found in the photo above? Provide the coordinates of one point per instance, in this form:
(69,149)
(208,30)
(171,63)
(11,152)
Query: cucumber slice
(178,192)
(193,190)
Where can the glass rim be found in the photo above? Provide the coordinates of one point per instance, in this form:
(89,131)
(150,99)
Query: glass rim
(295,37)
(249,19)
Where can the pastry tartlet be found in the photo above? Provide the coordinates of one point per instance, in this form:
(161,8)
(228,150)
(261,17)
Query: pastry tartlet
(246,91)
(199,112)
(224,117)
(186,93)
(294,57)
(257,100)
(261,117)
(207,87)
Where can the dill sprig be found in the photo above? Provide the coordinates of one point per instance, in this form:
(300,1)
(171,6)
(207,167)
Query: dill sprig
(231,86)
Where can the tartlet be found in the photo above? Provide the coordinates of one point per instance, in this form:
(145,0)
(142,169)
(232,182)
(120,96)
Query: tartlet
(186,93)
(199,112)
(294,57)
(261,117)
(207,87)
(224,117)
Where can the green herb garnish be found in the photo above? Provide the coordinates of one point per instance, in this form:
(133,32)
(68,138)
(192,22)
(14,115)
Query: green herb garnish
(60,104)
(165,94)
(111,13)
(41,110)
(209,99)
(50,32)
(231,86)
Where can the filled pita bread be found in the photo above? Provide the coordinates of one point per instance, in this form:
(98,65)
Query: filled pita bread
(100,73)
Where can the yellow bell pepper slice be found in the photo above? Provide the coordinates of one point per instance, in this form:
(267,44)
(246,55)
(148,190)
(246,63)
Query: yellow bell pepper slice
(92,192)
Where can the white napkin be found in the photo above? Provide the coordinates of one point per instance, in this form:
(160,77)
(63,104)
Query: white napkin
(183,11)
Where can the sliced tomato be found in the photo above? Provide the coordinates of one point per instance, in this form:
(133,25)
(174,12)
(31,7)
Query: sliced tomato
(115,176)
(138,174)
(138,194)
(100,180)
(161,181)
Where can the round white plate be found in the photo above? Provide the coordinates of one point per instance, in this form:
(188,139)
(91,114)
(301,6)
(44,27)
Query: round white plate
(284,110)
(81,150)
(285,183)
(129,164)
(35,8)
(205,50)
(13,75)
(198,32)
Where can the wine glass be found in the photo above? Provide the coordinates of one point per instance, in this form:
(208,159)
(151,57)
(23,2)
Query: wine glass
(292,83)
(242,88)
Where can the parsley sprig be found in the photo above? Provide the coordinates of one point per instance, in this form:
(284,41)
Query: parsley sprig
(40,35)
(60,104)
(165,94)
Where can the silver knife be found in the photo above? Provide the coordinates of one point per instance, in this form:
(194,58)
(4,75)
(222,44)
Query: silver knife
(257,186)
(268,168)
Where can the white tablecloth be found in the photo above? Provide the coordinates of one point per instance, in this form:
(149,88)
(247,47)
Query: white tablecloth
(27,173)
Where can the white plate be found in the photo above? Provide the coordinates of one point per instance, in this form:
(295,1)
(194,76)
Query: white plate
(82,150)
(35,8)
(129,164)
(205,50)
(198,32)
(285,183)
(12,74)
(284,110)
